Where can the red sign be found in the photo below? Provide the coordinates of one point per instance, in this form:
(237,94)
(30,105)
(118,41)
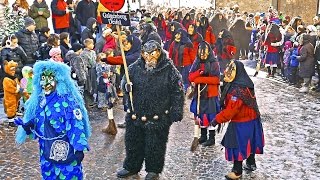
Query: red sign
(112,5)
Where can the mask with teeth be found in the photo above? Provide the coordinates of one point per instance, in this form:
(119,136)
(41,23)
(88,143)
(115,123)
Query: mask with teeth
(151,52)
(48,82)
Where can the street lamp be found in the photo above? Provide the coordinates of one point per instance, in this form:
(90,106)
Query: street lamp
(128,6)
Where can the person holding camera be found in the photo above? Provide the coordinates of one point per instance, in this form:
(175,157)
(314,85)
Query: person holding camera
(39,11)
(60,16)
(28,40)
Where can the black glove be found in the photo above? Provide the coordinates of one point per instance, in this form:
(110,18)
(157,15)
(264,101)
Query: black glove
(26,126)
(128,87)
(79,155)
(214,123)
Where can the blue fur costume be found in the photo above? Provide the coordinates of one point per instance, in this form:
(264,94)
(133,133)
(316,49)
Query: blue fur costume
(60,113)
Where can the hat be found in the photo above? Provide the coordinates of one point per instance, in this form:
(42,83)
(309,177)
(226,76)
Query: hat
(28,21)
(76,47)
(54,52)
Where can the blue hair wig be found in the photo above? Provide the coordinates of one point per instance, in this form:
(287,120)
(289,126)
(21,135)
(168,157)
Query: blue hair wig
(65,86)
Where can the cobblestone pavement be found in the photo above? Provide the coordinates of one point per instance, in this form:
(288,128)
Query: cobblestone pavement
(291,124)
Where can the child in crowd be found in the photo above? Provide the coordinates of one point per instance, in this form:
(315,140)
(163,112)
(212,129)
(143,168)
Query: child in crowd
(294,64)
(12,91)
(44,35)
(107,94)
(79,70)
(286,57)
(55,54)
(89,57)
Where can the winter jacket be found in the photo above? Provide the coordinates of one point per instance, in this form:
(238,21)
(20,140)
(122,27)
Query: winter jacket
(17,55)
(86,10)
(41,20)
(43,52)
(293,57)
(89,57)
(64,49)
(42,39)
(29,42)
(78,66)
(89,32)
(98,47)
(60,18)
(317,51)
(306,58)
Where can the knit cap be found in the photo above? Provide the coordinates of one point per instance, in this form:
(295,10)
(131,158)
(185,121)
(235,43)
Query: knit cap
(54,52)
(28,21)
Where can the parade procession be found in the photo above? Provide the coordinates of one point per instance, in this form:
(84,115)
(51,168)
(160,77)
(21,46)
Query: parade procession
(159,90)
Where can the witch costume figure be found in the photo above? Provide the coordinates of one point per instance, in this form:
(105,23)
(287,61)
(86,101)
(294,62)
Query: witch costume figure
(205,74)
(56,116)
(244,136)
(158,100)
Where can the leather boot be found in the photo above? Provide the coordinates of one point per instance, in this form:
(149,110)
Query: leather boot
(211,140)
(203,137)
(152,176)
(250,163)
(236,172)
(125,173)
(111,128)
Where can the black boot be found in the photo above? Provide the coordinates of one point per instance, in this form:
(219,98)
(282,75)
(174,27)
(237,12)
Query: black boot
(211,140)
(250,163)
(269,71)
(125,173)
(274,70)
(152,176)
(203,137)
(236,172)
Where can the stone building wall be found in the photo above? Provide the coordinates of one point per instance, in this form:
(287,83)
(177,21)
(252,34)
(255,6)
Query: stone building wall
(307,9)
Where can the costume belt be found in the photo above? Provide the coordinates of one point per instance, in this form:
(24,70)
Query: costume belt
(145,118)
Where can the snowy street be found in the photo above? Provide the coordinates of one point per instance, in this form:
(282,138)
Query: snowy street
(291,125)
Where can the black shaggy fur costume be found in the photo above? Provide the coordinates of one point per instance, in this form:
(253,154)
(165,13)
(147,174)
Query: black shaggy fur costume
(241,37)
(157,92)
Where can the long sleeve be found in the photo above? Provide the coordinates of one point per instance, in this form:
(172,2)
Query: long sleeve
(55,10)
(117,60)
(46,13)
(33,12)
(232,108)
(214,80)
(303,54)
(22,54)
(10,86)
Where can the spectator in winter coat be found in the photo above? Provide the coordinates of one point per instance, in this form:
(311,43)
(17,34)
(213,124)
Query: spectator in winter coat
(52,42)
(20,7)
(294,64)
(102,40)
(64,43)
(39,11)
(60,16)
(12,51)
(89,31)
(44,35)
(28,40)
(307,63)
(79,69)
(85,10)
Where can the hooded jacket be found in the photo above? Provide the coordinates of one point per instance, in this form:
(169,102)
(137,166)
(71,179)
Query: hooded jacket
(41,20)
(89,31)
(85,10)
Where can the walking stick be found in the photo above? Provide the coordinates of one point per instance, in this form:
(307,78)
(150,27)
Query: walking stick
(195,141)
(125,67)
